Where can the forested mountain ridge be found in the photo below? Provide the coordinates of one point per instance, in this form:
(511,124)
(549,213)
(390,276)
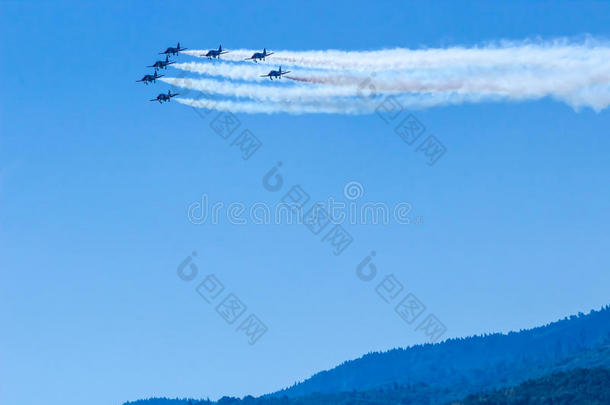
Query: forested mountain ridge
(577,386)
(451,370)
(480,360)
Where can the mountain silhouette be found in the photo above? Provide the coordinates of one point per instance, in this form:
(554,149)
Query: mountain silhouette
(450,370)
(480,361)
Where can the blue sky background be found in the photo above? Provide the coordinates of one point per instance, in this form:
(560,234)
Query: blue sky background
(95,181)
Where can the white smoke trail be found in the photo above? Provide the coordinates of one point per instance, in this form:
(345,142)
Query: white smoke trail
(583,87)
(578,75)
(351,106)
(546,55)
(250,107)
(231,71)
(578,89)
(279,93)
(574,88)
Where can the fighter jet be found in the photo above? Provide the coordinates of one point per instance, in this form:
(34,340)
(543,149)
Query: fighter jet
(259,55)
(150,78)
(215,53)
(173,51)
(164,97)
(276,73)
(162,64)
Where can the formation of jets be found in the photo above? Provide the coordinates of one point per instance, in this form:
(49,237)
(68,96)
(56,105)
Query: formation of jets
(215,53)
(150,78)
(164,97)
(161,64)
(256,56)
(173,51)
(276,73)
(211,54)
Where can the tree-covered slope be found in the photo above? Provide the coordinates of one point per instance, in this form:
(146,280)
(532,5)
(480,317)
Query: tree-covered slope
(480,361)
(451,370)
(580,386)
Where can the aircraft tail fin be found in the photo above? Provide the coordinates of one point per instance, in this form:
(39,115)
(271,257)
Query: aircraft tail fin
(264,51)
(220,48)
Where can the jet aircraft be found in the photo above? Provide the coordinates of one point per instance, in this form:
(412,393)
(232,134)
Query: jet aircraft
(150,78)
(173,51)
(162,64)
(215,53)
(259,55)
(164,97)
(276,73)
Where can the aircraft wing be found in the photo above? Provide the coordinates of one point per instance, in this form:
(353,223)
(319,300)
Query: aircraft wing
(288,71)
(154,99)
(267,75)
(249,58)
(269,53)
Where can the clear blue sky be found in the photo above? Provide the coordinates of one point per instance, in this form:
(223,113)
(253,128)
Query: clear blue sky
(95,181)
